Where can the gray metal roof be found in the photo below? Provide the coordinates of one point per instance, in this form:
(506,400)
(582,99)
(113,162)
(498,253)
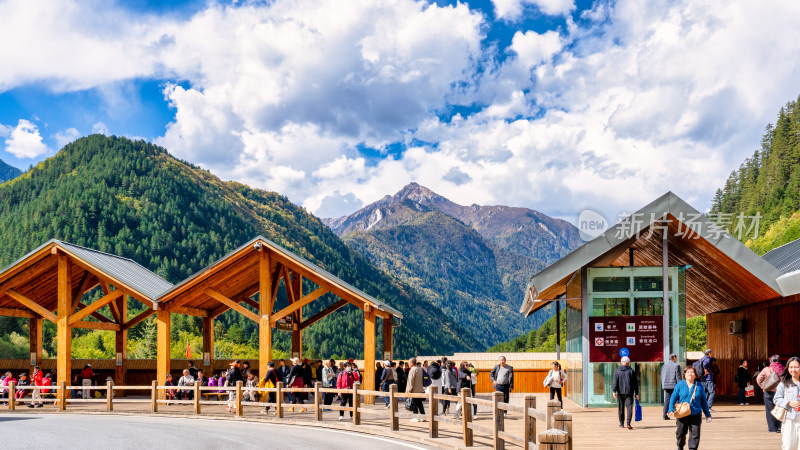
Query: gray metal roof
(785,258)
(126,271)
(303,262)
(668,203)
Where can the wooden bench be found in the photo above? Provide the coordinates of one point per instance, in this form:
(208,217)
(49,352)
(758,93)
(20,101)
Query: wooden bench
(220,396)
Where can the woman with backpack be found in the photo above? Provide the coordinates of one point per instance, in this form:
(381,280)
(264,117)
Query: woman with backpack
(786,397)
(768,379)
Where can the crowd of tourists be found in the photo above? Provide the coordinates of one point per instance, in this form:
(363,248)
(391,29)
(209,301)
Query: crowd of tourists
(411,376)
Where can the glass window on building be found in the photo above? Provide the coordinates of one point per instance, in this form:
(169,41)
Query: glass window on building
(614,306)
(611,284)
(649,306)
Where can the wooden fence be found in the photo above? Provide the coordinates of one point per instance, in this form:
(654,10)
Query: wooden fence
(557,424)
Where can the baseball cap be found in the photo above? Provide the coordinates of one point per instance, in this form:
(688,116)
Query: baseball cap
(625,359)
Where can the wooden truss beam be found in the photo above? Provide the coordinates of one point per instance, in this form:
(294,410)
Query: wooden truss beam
(14,312)
(144,315)
(298,304)
(97,325)
(25,301)
(325,312)
(103,301)
(232,304)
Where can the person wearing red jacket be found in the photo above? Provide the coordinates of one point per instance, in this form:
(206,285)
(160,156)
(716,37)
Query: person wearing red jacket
(346,379)
(86,380)
(37,395)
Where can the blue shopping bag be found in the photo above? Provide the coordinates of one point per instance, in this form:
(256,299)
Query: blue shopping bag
(638,416)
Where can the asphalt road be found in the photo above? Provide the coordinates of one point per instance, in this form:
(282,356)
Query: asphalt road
(75,431)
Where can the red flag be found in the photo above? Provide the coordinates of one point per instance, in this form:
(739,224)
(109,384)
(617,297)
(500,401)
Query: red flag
(188,350)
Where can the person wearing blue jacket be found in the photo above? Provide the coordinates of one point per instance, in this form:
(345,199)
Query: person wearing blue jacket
(691,391)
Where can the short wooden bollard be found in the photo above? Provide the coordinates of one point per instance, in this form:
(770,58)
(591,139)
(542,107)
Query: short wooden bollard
(197,397)
(356,403)
(279,400)
(12,396)
(553,406)
(466,416)
(317,408)
(563,422)
(239,411)
(433,426)
(109,395)
(154,397)
(394,422)
(553,440)
(530,422)
(62,398)
(498,421)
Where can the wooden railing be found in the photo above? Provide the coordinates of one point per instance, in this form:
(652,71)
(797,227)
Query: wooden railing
(557,424)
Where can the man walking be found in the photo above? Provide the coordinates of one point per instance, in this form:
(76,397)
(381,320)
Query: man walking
(503,378)
(414,386)
(707,378)
(625,387)
(670,376)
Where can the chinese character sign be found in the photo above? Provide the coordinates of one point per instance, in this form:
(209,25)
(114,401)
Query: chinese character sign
(640,337)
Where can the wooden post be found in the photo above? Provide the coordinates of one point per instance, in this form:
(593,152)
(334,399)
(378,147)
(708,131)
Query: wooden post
(553,406)
(121,341)
(197,397)
(369,351)
(317,408)
(64,331)
(393,420)
(563,421)
(35,338)
(109,395)
(388,338)
(529,421)
(163,347)
(466,416)
(154,397)
(498,421)
(553,440)
(279,400)
(208,345)
(12,396)
(239,411)
(356,403)
(62,399)
(433,425)
(264,312)
(297,333)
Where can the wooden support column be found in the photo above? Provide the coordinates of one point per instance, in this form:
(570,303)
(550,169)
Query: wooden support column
(35,338)
(388,339)
(264,313)
(297,333)
(121,342)
(64,330)
(163,345)
(369,351)
(208,344)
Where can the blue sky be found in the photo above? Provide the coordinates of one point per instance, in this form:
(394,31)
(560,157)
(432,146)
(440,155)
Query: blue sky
(555,105)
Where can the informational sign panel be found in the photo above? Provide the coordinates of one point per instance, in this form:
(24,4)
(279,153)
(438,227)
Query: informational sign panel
(638,337)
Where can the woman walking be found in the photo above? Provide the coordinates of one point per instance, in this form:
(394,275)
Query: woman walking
(786,396)
(449,384)
(345,381)
(464,381)
(690,391)
(555,379)
(768,380)
(296,381)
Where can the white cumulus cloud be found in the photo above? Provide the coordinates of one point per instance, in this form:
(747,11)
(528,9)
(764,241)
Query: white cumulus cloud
(24,140)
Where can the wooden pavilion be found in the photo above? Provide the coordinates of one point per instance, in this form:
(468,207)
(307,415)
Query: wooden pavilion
(49,283)
(251,275)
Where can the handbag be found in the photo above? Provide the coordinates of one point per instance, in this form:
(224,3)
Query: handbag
(638,417)
(771,382)
(684,409)
(778,413)
(749,391)
(408,404)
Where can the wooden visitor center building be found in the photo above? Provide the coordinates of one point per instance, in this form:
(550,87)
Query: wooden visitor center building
(629,291)
(50,282)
